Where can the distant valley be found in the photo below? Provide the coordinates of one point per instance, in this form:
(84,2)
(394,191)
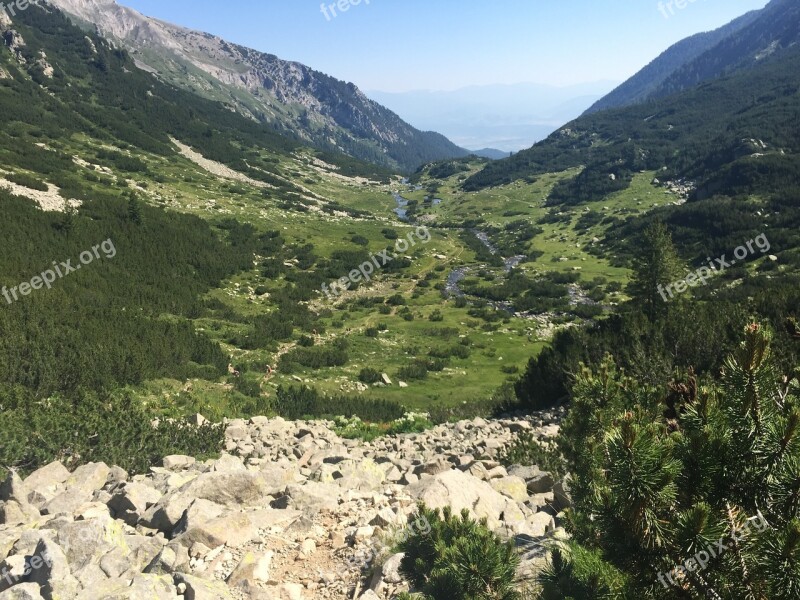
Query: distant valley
(505,117)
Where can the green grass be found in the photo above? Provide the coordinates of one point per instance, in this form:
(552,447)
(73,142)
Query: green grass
(497,352)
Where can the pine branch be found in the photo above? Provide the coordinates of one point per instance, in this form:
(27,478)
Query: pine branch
(738,553)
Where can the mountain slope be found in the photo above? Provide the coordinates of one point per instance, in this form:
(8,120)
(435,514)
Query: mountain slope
(701,133)
(639,87)
(292,98)
(739,44)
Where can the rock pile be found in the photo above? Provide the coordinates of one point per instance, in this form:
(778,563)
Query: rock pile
(290,511)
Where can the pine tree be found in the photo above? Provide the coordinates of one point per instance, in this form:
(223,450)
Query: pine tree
(134,210)
(654,269)
(696,497)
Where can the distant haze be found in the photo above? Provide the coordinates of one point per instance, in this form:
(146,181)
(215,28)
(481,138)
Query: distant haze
(505,117)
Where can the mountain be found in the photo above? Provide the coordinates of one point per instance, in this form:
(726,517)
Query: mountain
(507,117)
(739,44)
(705,133)
(490,153)
(292,98)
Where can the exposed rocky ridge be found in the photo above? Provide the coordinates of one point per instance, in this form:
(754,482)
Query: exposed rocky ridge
(318,109)
(293,511)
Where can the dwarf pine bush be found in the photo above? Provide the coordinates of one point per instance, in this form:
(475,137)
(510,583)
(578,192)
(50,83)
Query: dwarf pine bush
(666,489)
(459,559)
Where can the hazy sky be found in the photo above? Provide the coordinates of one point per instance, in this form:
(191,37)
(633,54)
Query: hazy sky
(401,45)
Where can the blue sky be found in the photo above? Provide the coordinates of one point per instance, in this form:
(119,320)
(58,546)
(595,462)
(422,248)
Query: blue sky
(401,45)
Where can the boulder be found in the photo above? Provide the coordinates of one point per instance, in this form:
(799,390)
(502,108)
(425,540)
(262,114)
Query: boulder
(541,483)
(85,542)
(23,591)
(79,489)
(277,477)
(434,467)
(53,576)
(227,488)
(251,570)
(177,462)
(231,529)
(311,497)
(561,491)
(201,589)
(511,486)
(461,491)
(14,506)
(131,500)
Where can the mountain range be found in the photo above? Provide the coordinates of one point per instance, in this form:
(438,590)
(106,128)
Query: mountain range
(291,98)
(345,310)
(506,117)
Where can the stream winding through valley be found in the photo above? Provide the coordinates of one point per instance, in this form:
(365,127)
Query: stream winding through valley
(456,276)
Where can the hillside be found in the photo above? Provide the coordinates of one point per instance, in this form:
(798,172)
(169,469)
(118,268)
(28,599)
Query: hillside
(648,82)
(289,97)
(741,44)
(225,235)
(696,134)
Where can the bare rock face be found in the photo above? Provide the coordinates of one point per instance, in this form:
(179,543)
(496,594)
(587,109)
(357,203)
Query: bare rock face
(296,513)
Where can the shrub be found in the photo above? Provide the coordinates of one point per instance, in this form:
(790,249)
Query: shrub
(317,357)
(526,450)
(656,477)
(396,300)
(300,402)
(458,558)
(115,429)
(247,386)
(27,181)
(416,370)
(305,341)
(369,375)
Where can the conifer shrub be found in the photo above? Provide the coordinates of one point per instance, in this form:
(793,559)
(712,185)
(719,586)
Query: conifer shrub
(369,376)
(297,402)
(688,494)
(113,428)
(459,558)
